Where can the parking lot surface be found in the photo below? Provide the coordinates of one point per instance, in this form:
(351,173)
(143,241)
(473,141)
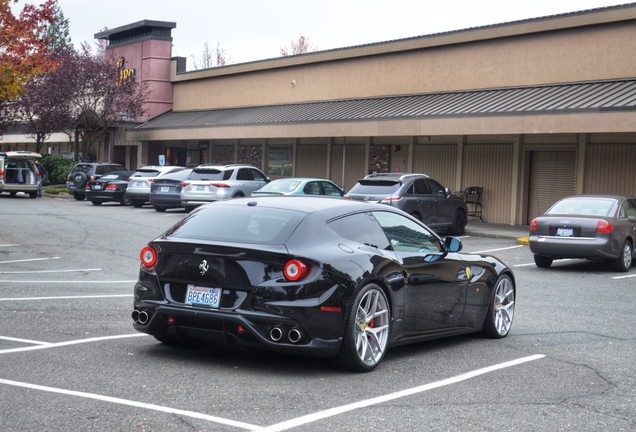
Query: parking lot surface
(71,360)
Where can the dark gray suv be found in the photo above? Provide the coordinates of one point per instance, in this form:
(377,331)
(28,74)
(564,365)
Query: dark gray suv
(416,194)
(84,172)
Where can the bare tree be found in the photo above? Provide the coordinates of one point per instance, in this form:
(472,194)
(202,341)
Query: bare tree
(301,46)
(211,58)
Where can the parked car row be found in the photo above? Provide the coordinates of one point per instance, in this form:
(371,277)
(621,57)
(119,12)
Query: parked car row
(18,172)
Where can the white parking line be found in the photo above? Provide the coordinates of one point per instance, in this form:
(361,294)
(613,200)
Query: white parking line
(70,282)
(134,404)
(495,250)
(28,260)
(52,271)
(624,277)
(289,423)
(24,340)
(65,297)
(408,392)
(8,245)
(69,343)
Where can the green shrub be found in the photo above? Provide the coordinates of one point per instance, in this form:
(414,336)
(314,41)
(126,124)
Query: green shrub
(56,191)
(57,168)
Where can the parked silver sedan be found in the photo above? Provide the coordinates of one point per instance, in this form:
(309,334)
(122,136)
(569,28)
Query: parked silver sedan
(601,227)
(139,183)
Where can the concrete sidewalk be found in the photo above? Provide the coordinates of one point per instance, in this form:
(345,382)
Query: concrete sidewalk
(485,229)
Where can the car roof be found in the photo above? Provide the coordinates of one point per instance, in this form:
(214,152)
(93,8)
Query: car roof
(308,204)
(592,196)
(394,175)
(21,154)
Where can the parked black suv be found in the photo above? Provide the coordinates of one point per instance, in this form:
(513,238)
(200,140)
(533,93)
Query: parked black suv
(416,194)
(84,172)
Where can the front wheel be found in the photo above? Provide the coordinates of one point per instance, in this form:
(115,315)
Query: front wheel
(459,224)
(159,208)
(501,310)
(137,204)
(96,203)
(367,331)
(624,260)
(33,194)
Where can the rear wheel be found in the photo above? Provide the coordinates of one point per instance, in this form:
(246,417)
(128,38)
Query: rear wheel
(624,260)
(137,203)
(96,203)
(125,200)
(12,193)
(459,223)
(33,194)
(78,196)
(159,208)
(543,262)
(501,310)
(367,331)
(417,216)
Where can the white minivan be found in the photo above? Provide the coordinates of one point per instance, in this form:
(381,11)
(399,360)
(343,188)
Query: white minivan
(18,172)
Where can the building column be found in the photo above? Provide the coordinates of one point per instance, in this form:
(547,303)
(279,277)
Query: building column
(295,145)
(516,183)
(460,163)
(580,162)
(409,155)
(330,145)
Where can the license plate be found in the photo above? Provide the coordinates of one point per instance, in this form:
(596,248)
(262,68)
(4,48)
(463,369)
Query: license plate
(165,188)
(565,232)
(200,188)
(97,187)
(138,184)
(202,296)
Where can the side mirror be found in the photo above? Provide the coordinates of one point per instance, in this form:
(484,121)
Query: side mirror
(452,244)
(447,192)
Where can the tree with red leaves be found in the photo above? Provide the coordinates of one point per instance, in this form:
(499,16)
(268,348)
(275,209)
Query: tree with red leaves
(23,45)
(301,46)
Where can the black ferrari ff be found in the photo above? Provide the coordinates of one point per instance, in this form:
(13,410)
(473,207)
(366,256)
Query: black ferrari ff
(320,277)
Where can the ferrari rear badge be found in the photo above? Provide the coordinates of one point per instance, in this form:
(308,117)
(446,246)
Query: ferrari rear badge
(204,267)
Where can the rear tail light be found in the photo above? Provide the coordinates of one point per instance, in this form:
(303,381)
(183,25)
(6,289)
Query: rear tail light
(151,181)
(295,270)
(112,187)
(533,225)
(68,177)
(129,179)
(88,186)
(92,178)
(391,199)
(220,185)
(604,227)
(148,257)
(347,197)
(184,184)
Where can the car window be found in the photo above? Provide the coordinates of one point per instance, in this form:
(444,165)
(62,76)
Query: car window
(436,188)
(260,225)
(207,174)
(362,228)
(257,175)
(243,174)
(375,187)
(110,177)
(406,235)
(100,170)
(583,206)
(227,175)
(330,189)
(419,187)
(82,168)
(312,188)
(280,186)
(116,168)
(628,210)
(146,173)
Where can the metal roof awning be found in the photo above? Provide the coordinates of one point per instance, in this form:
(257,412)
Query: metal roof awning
(539,100)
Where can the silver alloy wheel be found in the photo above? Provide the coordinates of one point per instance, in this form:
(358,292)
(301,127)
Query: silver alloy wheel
(372,327)
(504,306)
(627,255)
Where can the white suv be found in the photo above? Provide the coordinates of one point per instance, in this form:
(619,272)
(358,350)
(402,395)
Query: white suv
(18,172)
(208,183)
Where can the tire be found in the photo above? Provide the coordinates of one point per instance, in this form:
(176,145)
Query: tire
(12,194)
(159,209)
(624,260)
(542,262)
(80,179)
(188,209)
(96,203)
(367,331)
(417,216)
(501,310)
(33,194)
(137,204)
(125,200)
(78,196)
(459,224)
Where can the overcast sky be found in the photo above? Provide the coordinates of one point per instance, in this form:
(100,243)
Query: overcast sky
(251,30)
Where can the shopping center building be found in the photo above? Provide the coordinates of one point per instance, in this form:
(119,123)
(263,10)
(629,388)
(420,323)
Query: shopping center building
(531,110)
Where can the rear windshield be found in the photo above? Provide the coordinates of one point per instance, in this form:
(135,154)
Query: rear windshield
(280,186)
(240,224)
(210,174)
(375,187)
(146,173)
(583,206)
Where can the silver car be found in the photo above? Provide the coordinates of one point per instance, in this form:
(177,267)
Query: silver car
(139,183)
(601,227)
(208,183)
(18,172)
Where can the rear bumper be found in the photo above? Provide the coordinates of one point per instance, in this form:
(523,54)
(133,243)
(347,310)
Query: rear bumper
(196,325)
(560,247)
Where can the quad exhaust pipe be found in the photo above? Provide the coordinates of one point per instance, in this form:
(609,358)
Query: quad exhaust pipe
(294,335)
(140,317)
(276,334)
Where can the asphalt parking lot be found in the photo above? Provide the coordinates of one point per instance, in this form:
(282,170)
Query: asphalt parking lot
(71,360)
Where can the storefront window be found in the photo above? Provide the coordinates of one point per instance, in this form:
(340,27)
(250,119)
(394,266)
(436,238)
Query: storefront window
(279,161)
